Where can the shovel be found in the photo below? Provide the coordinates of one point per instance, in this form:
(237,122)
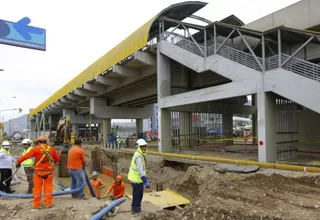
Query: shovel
(4,182)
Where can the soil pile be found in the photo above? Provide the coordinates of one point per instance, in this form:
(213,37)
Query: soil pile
(241,196)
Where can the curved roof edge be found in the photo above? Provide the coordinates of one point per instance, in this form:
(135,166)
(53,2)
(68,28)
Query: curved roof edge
(134,42)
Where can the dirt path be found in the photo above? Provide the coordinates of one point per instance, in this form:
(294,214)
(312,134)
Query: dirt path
(266,194)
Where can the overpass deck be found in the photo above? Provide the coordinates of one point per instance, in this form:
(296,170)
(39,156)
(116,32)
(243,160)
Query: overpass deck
(111,60)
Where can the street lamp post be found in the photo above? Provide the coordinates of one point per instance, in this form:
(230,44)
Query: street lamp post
(90,122)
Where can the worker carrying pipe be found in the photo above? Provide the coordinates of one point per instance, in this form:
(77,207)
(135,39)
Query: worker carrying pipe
(45,158)
(137,176)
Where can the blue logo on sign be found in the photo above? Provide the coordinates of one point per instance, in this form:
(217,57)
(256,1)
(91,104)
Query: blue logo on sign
(22,35)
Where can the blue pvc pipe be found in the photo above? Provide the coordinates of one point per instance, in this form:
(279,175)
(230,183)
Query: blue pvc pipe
(107,209)
(89,184)
(27,196)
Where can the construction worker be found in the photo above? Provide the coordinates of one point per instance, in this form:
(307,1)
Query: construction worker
(28,164)
(6,163)
(45,158)
(118,189)
(97,184)
(137,176)
(118,142)
(76,168)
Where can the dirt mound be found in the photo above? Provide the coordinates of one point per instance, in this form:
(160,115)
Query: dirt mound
(277,182)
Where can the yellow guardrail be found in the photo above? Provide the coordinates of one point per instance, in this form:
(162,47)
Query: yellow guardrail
(235,161)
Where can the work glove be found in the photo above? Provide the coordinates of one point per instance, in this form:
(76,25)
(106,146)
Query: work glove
(18,165)
(145,182)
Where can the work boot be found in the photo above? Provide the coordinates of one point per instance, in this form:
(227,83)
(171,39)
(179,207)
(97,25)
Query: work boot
(11,191)
(135,214)
(84,198)
(36,208)
(49,206)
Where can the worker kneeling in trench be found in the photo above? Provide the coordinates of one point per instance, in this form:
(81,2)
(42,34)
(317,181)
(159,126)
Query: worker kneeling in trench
(118,189)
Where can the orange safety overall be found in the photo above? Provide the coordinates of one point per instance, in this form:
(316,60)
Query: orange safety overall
(45,157)
(43,177)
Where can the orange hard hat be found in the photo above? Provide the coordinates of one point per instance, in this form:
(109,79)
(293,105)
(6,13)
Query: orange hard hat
(119,178)
(41,138)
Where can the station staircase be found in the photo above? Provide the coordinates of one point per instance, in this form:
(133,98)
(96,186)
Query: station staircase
(298,80)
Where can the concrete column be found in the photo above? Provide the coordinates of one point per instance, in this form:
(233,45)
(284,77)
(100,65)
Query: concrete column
(185,127)
(164,89)
(139,125)
(75,129)
(32,126)
(227,128)
(254,121)
(106,129)
(165,130)
(155,118)
(267,149)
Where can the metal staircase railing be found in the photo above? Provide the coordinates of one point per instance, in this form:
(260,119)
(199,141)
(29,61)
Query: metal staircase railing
(296,65)
(237,56)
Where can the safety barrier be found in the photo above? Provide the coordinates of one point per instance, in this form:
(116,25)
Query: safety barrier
(234,161)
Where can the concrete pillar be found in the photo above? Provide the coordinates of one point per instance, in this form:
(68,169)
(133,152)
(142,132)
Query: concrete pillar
(164,89)
(139,126)
(266,105)
(106,129)
(75,129)
(165,130)
(254,122)
(32,126)
(185,128)
(227,128)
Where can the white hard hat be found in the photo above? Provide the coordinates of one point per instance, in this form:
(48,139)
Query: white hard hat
(94,173)
(6,144)
(141,142)
(26,141)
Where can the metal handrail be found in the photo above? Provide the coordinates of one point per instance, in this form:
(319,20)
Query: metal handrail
(302,67)
(184,43)
(237,56)
(296,65)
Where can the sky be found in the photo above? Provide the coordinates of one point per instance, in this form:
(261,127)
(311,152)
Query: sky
(81,31)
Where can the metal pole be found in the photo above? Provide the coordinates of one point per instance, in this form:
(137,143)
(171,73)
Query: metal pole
(279,48)
(44,124)
(298,50)
(263,54)
(205,43)
(215,38)
(90,131)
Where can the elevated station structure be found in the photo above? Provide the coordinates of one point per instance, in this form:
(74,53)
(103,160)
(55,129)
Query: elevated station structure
(200,75)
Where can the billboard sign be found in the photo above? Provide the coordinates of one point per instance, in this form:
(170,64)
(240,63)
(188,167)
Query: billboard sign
(20,34)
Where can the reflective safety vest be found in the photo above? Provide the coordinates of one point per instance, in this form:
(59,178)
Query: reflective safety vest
(5,151)
(134,175)
(28,162)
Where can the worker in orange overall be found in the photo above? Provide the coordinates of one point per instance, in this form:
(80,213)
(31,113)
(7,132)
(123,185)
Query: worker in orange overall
(118,188)
(45,158)
(97,184)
